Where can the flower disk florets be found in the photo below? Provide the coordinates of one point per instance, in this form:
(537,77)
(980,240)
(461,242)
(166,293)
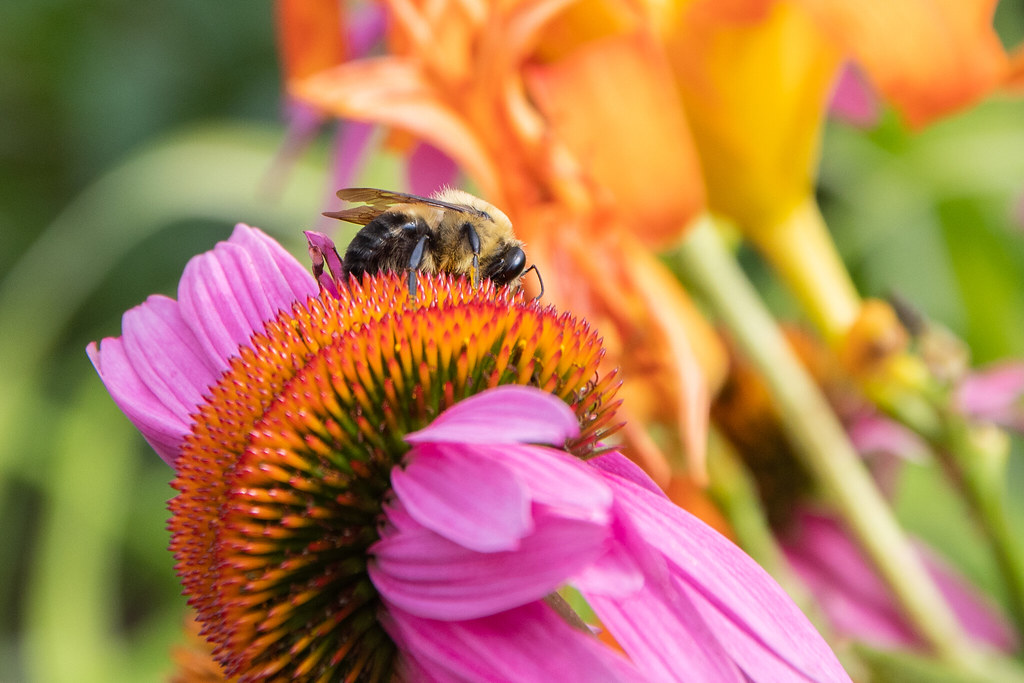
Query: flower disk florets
(284,477)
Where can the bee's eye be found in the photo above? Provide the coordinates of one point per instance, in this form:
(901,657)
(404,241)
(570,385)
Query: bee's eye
(510,266)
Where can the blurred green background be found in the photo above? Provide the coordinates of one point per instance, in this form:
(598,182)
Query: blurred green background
(136,134)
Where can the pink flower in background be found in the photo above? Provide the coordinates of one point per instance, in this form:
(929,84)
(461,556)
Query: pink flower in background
(995,394)
(857,602)
(853,99)
(348,469)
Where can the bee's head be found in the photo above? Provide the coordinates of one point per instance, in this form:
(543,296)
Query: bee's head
(506,266)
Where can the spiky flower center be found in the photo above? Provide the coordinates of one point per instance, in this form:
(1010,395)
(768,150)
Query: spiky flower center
(283,478)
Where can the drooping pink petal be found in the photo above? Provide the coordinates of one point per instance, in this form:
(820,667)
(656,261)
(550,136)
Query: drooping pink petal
(732,583)
(503,415)
(760,664)
(430,169)
(162,426)
(476,502)
(621,466)
(680,636)
(556,479)
(528,644)
(430,576)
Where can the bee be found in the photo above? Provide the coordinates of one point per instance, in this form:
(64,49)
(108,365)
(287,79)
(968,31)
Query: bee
(450,232)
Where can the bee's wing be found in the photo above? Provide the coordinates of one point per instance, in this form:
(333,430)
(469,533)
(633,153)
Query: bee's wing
(378,201)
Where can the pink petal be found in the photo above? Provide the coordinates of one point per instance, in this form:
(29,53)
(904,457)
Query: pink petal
(618,464)
(857,602)
(322,252)
(853,100)
(872,433)
(166,355)
(430,576)
(170,353)
(720,573)
(979,616)
(352,143)
(616,573)
(474,501)
(503,415)
(556,479)
(759,663)
(163,427)
(430,170)
(284,278)
(229,293)
(366,25)
(528,644)
(994,394)
(679,642)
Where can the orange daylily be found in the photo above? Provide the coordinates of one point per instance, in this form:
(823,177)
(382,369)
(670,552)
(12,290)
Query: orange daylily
(587,181)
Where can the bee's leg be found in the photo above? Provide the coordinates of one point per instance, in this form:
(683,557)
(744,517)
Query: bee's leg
(415,260)
(474,246)
(539,279)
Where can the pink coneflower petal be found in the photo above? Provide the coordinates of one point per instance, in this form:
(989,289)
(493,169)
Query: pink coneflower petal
(476,502)
(428,575)
(503,415)
(171,352)
(162,426)
(528,644)
(166,354)
(765,619)
(282,277)
(680,636)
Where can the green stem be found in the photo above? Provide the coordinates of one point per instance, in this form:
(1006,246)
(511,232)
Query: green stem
(978,455)
(820,440)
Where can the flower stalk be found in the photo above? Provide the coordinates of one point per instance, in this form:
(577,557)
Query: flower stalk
(802,251)
(820,440)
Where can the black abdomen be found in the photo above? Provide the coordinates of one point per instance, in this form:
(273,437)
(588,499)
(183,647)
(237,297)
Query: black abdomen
(385,243)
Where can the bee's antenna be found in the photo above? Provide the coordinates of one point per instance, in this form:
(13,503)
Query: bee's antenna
(539,280)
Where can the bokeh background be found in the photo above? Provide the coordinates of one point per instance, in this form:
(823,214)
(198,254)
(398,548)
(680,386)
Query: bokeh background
(136,134)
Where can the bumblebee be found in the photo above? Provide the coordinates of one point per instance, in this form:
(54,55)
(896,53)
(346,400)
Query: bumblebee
(450,232)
